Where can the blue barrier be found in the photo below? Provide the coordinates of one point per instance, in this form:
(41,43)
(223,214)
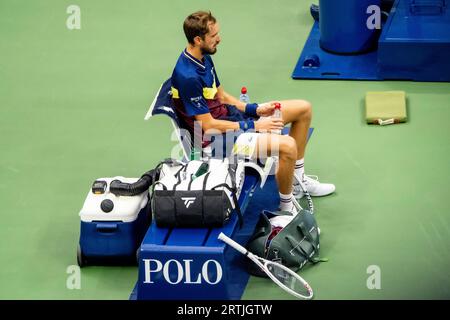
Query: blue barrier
(413,45)
(415,42)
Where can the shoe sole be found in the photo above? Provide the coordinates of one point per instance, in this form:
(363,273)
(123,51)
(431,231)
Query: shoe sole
(312,195)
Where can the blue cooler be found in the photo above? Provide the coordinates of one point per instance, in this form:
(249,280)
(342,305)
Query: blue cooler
(112,227)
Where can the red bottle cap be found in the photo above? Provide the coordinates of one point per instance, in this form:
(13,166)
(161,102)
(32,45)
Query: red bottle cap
(244,90)
(277,105)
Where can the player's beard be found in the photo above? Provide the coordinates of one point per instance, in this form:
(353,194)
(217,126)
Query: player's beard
(206,50)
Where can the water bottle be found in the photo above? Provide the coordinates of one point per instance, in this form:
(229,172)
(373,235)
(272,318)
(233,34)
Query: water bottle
(277,115)
(196,154)
(204,167)
(244,96)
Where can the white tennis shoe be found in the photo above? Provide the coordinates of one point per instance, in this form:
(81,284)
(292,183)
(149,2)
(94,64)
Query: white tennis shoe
(313,186)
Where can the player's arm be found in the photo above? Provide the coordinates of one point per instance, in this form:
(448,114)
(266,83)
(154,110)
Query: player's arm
(252,109)
(226,98)
(191,94)
(209,123)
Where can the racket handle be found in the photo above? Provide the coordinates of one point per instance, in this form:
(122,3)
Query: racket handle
(232,243)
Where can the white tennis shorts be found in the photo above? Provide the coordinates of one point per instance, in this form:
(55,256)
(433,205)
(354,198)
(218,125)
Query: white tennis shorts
(245,144)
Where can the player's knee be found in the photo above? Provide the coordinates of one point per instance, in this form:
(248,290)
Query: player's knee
(288,147)
(305,109)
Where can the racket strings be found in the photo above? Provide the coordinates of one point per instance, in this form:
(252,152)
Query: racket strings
(290,280)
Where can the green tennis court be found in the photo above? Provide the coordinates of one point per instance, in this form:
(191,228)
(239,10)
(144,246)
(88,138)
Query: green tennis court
(72,107)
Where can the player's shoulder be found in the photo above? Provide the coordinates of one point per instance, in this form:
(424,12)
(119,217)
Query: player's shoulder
(183,75)
(184,71)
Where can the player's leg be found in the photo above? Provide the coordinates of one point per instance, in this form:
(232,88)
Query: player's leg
(284,147)
(263,145)
(299,114)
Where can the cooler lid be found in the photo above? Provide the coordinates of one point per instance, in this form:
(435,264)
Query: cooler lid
(115,208)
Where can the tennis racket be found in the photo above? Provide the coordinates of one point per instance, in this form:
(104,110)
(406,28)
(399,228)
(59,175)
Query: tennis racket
(306,193)
(284,277)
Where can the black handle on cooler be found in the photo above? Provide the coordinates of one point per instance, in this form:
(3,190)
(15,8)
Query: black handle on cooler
(120,188)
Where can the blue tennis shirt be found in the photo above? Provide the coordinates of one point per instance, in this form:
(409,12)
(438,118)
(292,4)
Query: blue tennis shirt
(194,91)
(195,83)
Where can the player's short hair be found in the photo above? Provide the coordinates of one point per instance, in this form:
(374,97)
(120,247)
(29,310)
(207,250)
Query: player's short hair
(196,24)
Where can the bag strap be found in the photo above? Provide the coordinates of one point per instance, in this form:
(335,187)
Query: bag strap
(231,170)
(301,227)
(205,180)
(235,200)
(161,184)
(298,247)
(305,232)
(190,182)
(178,175)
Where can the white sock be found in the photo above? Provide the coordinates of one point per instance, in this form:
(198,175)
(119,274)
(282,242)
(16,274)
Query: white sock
(300,168)
(286,202)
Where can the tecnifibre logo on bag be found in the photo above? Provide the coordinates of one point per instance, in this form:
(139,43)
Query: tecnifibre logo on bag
(188,201)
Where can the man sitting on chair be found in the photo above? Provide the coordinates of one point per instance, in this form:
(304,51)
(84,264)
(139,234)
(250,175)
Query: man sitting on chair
(199,98)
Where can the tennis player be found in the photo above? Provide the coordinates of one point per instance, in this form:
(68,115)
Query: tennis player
(201,100)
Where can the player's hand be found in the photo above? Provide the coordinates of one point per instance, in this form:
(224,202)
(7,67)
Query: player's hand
(268,124)
(265,109)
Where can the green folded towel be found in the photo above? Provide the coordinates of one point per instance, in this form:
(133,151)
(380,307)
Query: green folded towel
(386,107)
